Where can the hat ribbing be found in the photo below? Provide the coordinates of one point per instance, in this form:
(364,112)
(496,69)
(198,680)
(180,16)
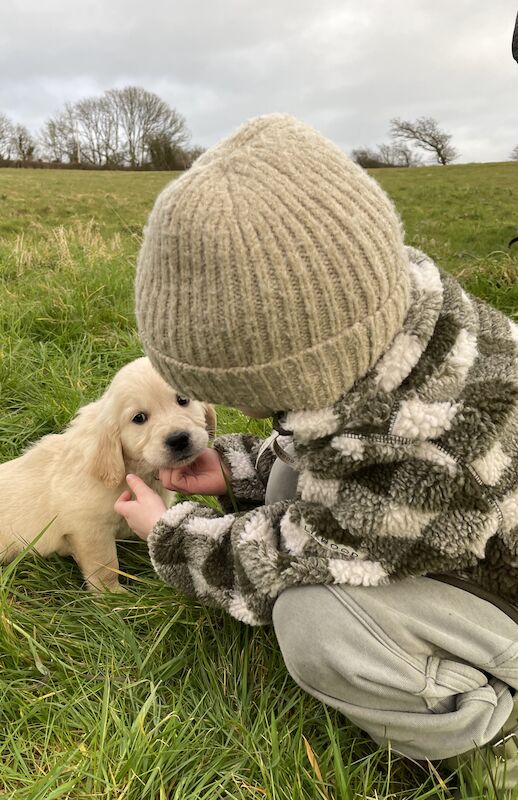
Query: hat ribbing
(273,273)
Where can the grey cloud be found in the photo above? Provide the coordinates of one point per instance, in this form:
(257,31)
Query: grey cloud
(346,66)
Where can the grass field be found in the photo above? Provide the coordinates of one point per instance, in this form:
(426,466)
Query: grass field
(148,696)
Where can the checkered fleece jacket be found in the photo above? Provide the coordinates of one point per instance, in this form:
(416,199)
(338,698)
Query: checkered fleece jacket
(413,471)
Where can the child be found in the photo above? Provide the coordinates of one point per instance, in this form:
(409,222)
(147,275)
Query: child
(273,277)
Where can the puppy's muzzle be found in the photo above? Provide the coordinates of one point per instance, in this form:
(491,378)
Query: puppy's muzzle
(179,443)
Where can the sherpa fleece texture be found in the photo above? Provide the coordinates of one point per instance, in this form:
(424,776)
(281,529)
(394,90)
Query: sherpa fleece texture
(413,471)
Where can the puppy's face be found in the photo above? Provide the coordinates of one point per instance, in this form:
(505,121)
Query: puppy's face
(157,426)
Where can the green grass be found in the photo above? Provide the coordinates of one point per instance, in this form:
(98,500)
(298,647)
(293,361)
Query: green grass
(148,695)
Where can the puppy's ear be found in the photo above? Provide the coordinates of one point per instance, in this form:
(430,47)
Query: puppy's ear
(210,419)
(108,463)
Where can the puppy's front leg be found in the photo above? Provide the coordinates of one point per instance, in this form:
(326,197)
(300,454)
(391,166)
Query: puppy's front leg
(97,560)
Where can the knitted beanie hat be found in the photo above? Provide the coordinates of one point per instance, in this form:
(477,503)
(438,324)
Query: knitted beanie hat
(273,273)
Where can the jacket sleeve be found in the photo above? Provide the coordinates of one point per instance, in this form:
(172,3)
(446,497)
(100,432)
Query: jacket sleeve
(515,41)
(248,480)
(241,562)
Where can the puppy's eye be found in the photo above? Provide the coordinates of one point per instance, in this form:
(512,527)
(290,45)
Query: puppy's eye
(139,418)
(182,401)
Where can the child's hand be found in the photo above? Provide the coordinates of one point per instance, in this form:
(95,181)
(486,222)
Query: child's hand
(205,475)
(144,511)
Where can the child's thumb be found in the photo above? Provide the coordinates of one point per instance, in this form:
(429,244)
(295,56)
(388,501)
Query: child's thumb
(139,488)
(121,501)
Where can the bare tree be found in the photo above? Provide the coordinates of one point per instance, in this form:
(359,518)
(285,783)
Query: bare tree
(6,137)
(24,144)
(514,154)
(425,134)
(408,157)
(399,155)
(387,155)
(144,117)
(96,126)
(58,139)
(116,129)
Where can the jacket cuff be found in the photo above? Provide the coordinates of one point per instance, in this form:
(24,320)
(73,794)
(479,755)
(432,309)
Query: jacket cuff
(170,544)
(166,547)
(247,481)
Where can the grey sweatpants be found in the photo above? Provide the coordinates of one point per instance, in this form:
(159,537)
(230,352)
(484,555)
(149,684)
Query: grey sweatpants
(427,666)
(422,664)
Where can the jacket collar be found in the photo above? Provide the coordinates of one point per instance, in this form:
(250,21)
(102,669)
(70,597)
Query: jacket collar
(370,400)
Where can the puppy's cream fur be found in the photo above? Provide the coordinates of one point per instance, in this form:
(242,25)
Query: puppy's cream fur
(70,481)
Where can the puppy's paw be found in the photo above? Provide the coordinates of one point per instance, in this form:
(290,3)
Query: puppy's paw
(117,589)
(105,588)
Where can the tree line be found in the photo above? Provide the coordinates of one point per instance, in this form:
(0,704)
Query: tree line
(132,128)
(122,128)
(409,141)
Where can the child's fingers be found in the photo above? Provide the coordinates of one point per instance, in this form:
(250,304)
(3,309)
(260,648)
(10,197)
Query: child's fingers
(181,483)
(173,479)
(187,483)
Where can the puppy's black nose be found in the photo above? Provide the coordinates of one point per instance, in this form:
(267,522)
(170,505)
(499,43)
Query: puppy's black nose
(178,441)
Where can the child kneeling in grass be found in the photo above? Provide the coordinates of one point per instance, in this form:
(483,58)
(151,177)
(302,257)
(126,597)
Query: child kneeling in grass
(379,525)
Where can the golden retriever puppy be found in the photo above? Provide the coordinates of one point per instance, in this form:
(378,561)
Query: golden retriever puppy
(70,481)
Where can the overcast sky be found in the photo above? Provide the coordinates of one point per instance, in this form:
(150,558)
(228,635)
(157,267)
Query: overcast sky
(345,66)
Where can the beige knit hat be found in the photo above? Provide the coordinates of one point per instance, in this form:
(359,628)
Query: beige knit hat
(273,273)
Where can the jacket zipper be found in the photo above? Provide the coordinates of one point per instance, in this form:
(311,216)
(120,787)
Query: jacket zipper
(390,438)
